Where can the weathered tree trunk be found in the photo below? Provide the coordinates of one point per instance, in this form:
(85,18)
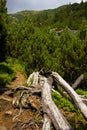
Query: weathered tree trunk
(49,107)
(76,98)
(47,123)
(78,80)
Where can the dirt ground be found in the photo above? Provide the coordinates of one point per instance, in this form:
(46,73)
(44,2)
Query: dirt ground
(20,80)
(12,118)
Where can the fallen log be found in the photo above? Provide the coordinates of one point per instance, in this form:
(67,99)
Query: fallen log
(37,84)
(78,100)
(49,107)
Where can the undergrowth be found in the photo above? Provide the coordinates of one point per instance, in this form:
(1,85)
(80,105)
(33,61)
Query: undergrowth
(82,92)
(7,74)
(8,71)
(16,65)
(70,111)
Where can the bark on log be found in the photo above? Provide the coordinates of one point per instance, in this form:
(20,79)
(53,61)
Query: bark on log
(49,107)
(76,98)
(78,80)
(47,123)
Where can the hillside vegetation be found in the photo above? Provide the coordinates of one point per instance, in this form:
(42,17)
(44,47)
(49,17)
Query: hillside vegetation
(54,39)
(67,15)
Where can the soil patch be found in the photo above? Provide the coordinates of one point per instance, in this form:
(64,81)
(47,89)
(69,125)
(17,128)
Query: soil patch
(19,80)
(10,117)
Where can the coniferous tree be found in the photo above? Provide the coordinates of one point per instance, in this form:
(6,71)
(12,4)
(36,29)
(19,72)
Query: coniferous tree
(3,32)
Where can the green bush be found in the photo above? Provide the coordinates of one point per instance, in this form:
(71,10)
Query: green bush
(16,65)
(63,103)
(7,74)
(82,92)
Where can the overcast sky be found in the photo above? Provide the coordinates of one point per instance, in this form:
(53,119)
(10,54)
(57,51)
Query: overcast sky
(19,5)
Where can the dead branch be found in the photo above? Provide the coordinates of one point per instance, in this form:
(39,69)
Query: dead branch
(30,88)
(77,82)
(76,98)
(56,92)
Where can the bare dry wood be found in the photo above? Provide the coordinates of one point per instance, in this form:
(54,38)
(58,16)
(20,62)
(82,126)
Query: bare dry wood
(77,82)
(56,92)
(33,79)
(52,114)
(30,89)
(78,100)
(47,123)
(49,107)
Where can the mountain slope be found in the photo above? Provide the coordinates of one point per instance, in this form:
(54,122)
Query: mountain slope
(70,15)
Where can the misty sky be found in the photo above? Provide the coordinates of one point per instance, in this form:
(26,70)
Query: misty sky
(19,5)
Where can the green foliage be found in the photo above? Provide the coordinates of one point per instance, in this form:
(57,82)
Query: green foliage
(63,103)
(3,30)
(77,121)
(82,92)
(70,15)
(37,48)
(16,65)
(83,30)
(35,45)
(7,74)
(70,111)
(8,71)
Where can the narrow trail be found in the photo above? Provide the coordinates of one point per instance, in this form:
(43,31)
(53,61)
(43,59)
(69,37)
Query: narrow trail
(7,111)
(10,119)
(19,80)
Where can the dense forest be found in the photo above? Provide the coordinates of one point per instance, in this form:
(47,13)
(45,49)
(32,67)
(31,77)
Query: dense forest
(54,39)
